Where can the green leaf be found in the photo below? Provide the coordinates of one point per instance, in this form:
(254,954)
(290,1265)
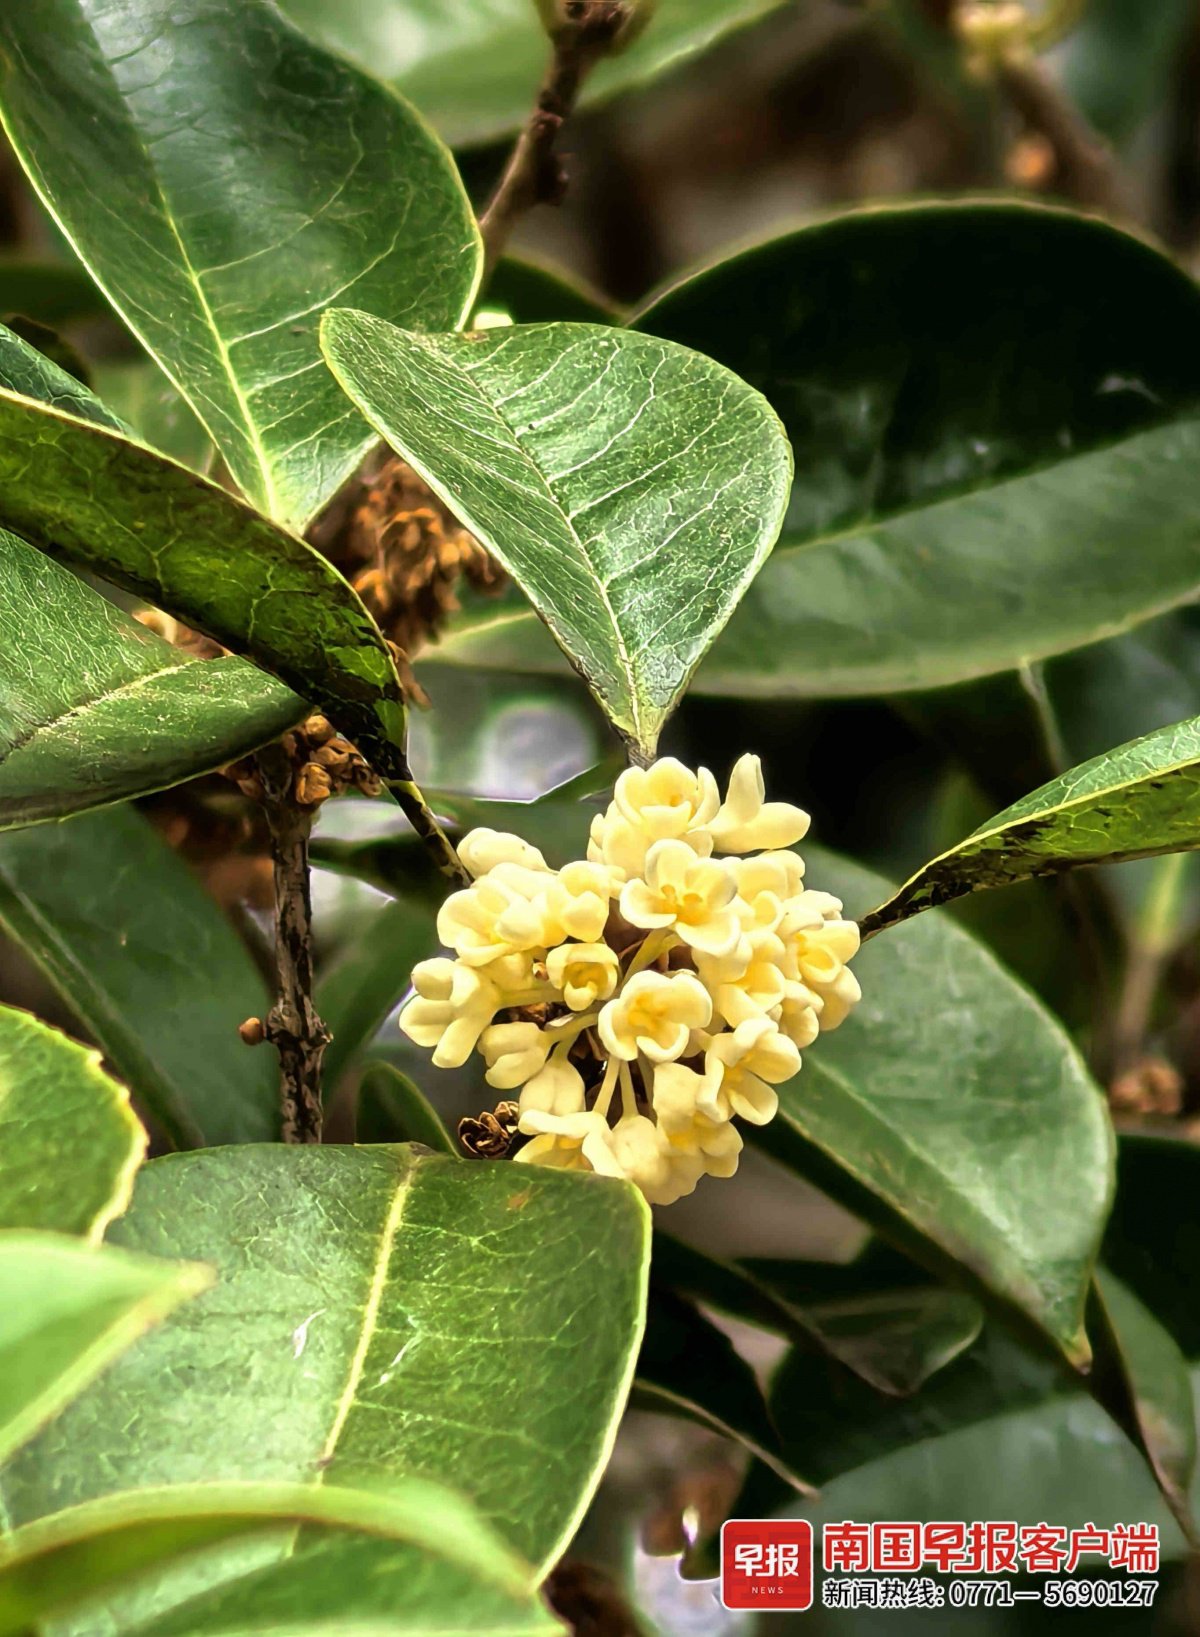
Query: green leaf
(988,403)
(186,545)
(534,292)
(369,977)
(1142,1380)
(1153,1236)
(66,1311)
(379,1314)
(473,66)
(50,292)
(392,1109)
(141,954)
(160,416)
(631,488)
(894,1339)
(69,1141)
(90,1550)
(25,370)
(955,1112)
(1140,799)
(1119,63)
(688,1367)
(224,186)
(95,708)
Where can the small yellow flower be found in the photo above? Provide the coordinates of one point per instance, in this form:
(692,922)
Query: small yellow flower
(495,917)
(764,884)
(755,1058)
(558,1139)
(452,1007)
(798,1014)
(557,1090)
(514,1052)
(666,800)
(655,1014)
(635,1149)
(583,973)
(483,849)
(693,896)
(576,905)
(817,944)
(748,983)
(746,823)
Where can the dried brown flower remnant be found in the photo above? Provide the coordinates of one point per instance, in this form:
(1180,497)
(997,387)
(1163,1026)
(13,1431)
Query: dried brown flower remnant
(179,635)
(1152,1087)
(490,1136)
(405,554)
(325,765)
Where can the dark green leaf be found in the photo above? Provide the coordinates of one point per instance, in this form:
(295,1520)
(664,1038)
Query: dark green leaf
(631,488)
(69,1142)
(369,977)
(378,1315)
(532,292)
(1153,1238)
(473,65)
(91,1549)
(987,403)
(1140,799)
(95,708)
(226,185)
(25,370)
(955,1111)
(1119,61)
(392,1109)
(1142,1380)
(688,1367)
(186,545)
(142,955)
(67,1310)
(50,292)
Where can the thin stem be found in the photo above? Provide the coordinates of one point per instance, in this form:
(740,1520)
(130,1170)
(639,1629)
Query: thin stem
(604,1095)
(628,1094)
(653,945)
(437,843)
(1086,172)
(534,174)
(293,1025)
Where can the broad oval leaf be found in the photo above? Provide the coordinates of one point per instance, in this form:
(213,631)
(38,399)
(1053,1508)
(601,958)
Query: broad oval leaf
(995,411)
(91,1550)
(188,546)
(96,708)
(953,1106)
(473,66)
(1140,799)
(151,967)
(69,1141)
(66,1311)
(379,1314)
(631,488)
(225,185)
(25,370)
(393,1108)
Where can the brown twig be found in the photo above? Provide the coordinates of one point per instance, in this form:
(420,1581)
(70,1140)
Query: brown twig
(534,174)
(1085,171)
(293,1025)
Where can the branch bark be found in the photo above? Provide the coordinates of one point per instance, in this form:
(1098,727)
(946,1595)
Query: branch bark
(293,1025)
(1086,171)
(535,174)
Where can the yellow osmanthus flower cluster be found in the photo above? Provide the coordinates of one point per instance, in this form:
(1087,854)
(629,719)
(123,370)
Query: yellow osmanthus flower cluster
(645,997)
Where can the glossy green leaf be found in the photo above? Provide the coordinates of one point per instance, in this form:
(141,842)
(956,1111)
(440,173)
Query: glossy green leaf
(95,708)
(378,1315)
(1153,1235)
(988,403)
(631,488)
(473,66)
(152,969)
(187,546)
(225,186)
(392,1109)
(90,1550)
(66,1311)
(688,1367)
(1140,799)
(69,1141)
(370,976)
(955,1110)
(1142,1379)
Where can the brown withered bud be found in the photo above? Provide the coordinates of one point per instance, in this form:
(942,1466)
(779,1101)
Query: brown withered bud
(252,1031)
(312,785)
(490,1136)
